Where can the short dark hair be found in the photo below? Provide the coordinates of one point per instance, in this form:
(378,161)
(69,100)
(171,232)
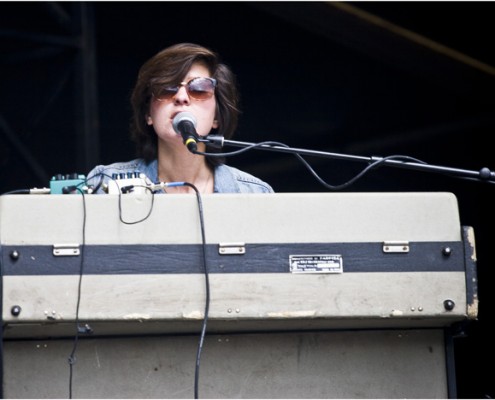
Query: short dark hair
(168,67)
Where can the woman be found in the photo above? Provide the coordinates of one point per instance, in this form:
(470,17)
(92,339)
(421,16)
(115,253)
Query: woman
(182,78)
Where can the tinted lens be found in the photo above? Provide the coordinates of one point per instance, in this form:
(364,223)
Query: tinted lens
(201,88)
(197,88)
(165,93)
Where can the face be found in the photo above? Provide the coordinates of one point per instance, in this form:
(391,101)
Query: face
(162,112)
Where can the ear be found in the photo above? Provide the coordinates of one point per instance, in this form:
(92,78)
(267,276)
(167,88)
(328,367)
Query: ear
(215,124)
(149,121)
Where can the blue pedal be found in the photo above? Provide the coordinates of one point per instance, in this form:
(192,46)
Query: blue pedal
(67,184)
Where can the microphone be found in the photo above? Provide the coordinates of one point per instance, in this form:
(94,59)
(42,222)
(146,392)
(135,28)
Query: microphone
(184,124)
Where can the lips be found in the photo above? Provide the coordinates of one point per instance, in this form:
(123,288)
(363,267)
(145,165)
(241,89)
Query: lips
(175,113)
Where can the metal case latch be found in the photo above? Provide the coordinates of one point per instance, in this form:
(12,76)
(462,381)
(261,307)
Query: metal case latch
(60,250)
(231,248)
(396,247)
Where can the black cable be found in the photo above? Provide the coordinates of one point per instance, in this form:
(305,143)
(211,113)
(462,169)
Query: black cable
(205,266)
(100,182)
(207,286)
(72,358)
(120,205)
(359,175)
(308,166)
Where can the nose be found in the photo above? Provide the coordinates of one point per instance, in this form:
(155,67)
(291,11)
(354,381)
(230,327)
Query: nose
(181,97)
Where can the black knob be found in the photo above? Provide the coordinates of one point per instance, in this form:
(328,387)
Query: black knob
(449,305)
(15,311)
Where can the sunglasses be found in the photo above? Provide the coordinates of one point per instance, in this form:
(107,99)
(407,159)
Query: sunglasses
(197,88)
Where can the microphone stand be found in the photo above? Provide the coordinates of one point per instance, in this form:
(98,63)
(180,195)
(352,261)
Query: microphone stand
(483,175)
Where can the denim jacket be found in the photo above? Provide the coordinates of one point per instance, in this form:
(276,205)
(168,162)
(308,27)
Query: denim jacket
(227,179)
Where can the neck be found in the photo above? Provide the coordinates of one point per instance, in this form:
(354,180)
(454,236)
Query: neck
(185,167)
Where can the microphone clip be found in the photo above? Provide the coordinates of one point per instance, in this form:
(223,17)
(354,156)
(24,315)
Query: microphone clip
(215,141)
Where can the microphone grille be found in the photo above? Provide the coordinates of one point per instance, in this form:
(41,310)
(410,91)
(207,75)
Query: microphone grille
(182,117)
